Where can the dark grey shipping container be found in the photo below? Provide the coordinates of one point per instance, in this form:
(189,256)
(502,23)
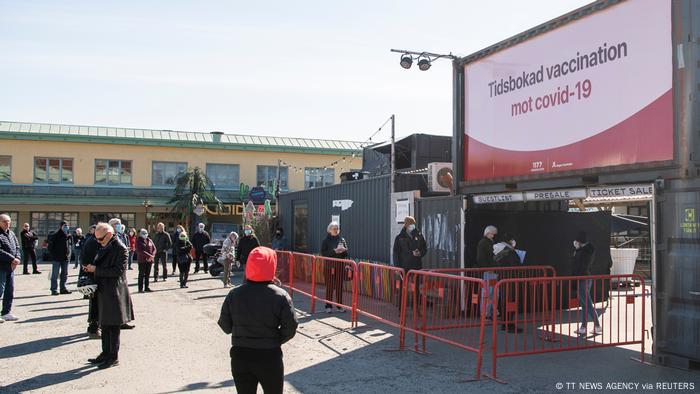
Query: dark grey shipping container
(306,214)
(441,220)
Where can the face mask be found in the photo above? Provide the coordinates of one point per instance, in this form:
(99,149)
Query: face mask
(120,228)
(201,228)
(144,235)
(512,244)
(577,244)
(411,227)
(65,228)
(248,232)
(183,237)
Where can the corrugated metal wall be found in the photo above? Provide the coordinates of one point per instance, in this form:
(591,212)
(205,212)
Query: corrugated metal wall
(440,220)
(365,225)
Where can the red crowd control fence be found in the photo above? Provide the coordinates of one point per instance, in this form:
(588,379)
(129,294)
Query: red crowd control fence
(443,308)
(379,290)
(568,315)
(302,277)
(335,283)
(284,267)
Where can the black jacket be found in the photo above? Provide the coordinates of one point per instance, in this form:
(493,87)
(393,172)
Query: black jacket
(87,257)
(329,245)
(484,253)
(60,246)
(507,257)
(199,239)
(245,246)
(113,300)
(583,260)
(28,239)
(260,315)
(162,242)
(183,250)
(78,241)
(404,245)
(174,237)
(9,249)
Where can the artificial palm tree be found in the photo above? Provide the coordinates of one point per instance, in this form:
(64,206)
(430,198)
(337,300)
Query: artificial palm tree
(192,188)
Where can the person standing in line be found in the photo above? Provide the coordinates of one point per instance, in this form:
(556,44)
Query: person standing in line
(145,255)
(409,249)
(78,239)
(228,256)
(334,246)
(506,256)
(199,239)
(184,258)
(261,317)
(114,301)
(90,248)
(121,235)
(131,236)
(163,244)
(485,259)
(9,260)
(175,237)
(584,255)
(279,241)
(60,248)
(29,240)
(246,244)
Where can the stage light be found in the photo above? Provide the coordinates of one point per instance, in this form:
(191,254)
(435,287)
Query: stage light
(406,61)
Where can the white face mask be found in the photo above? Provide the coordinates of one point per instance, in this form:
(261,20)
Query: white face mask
(411,227)
(144,235)
(577,244)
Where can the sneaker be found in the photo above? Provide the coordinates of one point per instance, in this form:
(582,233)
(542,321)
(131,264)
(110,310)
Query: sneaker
(2,320)
(329,309)
(582,331)
(9,317)
(597,330)
(341,310)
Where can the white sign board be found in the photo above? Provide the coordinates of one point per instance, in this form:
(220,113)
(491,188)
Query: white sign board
(402,210)
(497,198)
(621,191)
(562,194)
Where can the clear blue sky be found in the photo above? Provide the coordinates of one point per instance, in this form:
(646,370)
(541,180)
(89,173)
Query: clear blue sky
(296,68)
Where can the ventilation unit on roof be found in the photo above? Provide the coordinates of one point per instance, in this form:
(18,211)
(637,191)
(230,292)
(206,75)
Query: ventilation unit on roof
(216,136)
(440,177)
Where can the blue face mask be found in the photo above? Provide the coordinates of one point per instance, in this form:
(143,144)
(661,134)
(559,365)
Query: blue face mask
(248,232)
(65,228)
(411,227)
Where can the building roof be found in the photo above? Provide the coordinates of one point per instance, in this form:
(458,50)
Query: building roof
(189,139)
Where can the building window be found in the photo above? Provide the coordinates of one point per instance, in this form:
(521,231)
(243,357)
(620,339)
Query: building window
(44,223)
(5,169)
(268,174)
(112,172)
(317,177)
(164,173)
(224,176)
(53,170)
(128,219)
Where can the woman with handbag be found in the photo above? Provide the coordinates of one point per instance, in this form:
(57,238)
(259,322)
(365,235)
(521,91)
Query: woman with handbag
(334,246)
(184,258)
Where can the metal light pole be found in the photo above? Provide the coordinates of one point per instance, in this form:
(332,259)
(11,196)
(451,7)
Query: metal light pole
(393,154)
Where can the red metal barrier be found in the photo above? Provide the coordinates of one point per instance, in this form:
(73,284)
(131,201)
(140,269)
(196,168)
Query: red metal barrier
(335,283)
(536,322)
(444,308)
(284,271)
(302,279)
(379,290)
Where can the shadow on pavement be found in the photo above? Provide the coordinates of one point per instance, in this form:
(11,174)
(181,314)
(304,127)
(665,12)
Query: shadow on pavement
(203,386)
(48,302)
(58,308)
(51,318)
(47,379)
(212,296)
(40,345)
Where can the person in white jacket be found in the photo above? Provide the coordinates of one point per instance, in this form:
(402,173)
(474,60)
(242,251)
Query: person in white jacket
(228,256)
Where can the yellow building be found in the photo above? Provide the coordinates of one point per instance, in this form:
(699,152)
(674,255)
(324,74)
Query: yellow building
(83,174)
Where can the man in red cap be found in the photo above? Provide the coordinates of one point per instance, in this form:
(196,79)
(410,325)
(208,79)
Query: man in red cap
(261,317)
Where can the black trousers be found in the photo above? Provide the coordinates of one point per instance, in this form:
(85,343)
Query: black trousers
(27,254)
(110,342)
(184,272)
(252,366)
(175,262)
(161,258)
(199,254)
(93,315)
(144,275)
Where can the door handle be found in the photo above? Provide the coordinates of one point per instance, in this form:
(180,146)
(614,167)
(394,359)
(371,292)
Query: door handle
(695,293)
